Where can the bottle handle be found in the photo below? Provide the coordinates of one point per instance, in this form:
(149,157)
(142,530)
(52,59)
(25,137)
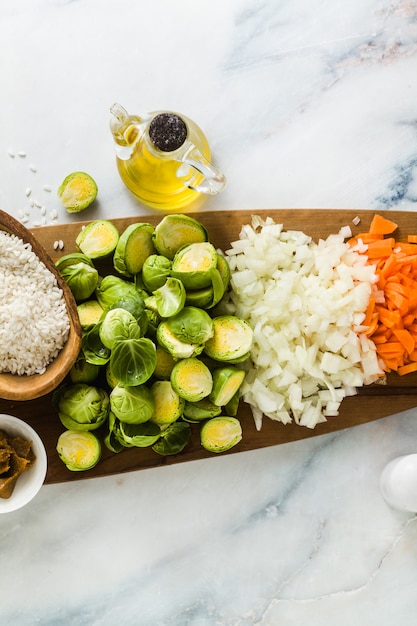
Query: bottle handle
(194,166)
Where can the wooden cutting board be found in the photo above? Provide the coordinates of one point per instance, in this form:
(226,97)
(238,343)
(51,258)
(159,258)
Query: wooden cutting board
(371,403)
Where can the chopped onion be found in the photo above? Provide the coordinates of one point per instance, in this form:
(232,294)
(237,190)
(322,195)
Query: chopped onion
(306,302)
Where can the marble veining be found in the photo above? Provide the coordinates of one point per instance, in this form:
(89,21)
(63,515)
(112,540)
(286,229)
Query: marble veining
(305,104)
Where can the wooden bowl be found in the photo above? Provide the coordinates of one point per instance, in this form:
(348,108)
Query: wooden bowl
(14,387)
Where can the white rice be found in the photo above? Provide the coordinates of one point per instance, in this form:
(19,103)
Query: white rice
(34,323)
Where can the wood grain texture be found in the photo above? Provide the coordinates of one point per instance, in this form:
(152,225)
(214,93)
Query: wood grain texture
(371,403)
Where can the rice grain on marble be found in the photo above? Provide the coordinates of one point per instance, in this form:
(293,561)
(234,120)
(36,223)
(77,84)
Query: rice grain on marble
(34,323)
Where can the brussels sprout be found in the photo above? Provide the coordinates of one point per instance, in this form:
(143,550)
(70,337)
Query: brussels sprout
(137,435)
(232,407)
(79,451)
(200,298)
(191,379)
(116,325)
(177,349)
(223,268)
(156,269)
(133,361)
(82,371)
(112,289)
(226,382)
(231,341)
(79,273)
(207,297)
(98,239)
(191,325)
(89,313)
(81,279)
(132,405)
(135,304)
(173,439)
(201,410)
(175,231)
(72,259)
(170,298)
(164,364)
(93,348)
(77,191)
(193,263)
(220,434)
(168,404)
(134,246)
(81,406)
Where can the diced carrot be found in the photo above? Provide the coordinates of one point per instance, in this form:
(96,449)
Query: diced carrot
(391,320)
(405,338)
(381,225)
(380,248)
(407,369)
(391,348)
(406,248)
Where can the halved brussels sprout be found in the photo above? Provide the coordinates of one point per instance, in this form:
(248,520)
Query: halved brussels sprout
(201,410)
(170,298)
(168,404)
(79,451)
(156,269)
(135,245)
(191,325)
(89,313)
(82,371)
(193,263)
(111,289)
(133,361)
(116,325)
(208,297)
(232,407)
(223,268)
(132,405)
(81,406)
(77,191)
(164,364)
(98,239)
(79,273)
(177,349)
(220,434)
(191,379)
(173,439)
(226,382)
(175,231)
(200,298)
(231,341)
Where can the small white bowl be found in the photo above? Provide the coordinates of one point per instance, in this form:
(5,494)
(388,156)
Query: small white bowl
(398,483)
(30,481)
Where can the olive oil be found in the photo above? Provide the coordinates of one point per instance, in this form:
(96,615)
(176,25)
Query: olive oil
(164,160)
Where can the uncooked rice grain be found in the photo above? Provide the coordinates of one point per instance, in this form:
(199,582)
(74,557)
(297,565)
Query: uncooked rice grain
(34,323)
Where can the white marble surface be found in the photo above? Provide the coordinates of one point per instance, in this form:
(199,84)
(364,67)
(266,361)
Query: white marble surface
(306,104)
